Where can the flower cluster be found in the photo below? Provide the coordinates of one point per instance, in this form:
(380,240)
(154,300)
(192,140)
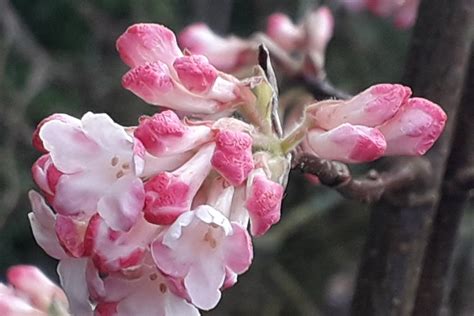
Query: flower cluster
(403,12)
(153,219)
(31,293)
(156,215)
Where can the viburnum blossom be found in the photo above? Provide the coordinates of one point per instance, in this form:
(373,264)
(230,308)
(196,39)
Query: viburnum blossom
(154,219)
(403,12)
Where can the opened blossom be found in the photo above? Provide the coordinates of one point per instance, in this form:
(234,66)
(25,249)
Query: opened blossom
(198,248)
(95,167)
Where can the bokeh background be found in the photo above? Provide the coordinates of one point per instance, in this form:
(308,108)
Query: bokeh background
(59,56)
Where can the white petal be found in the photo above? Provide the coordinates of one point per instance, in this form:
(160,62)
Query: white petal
(72,273)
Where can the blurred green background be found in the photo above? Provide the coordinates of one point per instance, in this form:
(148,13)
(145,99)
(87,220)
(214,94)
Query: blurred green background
(59,56)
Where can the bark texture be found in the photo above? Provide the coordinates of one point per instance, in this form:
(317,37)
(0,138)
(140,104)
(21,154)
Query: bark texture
(400,224)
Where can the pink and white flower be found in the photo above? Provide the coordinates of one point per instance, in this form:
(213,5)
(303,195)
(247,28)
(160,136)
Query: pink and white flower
(99,166)
(149,293)
(197,250)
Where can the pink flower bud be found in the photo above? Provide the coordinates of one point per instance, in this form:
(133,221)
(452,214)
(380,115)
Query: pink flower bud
(225,54)
(165,134)
(32,283)
(414,129)
(147,43)
(233,155)
(46,176)
(153,83)
(167,195)
(195,73)
(283,32)
(263,202)
(319,27)
(405,17)
(371,107)
(347,143)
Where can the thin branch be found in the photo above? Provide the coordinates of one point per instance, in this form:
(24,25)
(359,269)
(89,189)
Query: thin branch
(368,188)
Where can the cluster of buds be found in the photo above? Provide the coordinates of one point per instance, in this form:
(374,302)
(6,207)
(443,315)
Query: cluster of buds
(403,12)
(153,219)
(383,120)
(31,293)
(296,47)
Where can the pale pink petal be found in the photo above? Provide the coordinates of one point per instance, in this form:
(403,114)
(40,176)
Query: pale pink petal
(347,143)
(123,202)
(233,155)
(319,26)
(165,134)
(220,194)
(264,199)
(203,282)
(239,212)
(154,165)
(110,136)
(414,129)
(38,142)
(78,194)
(72,274)
(40,290)
(68,145)
(224,53)
(195,73)
(238,250)
(42,221)
(371,107)
(282,31)
(147,42)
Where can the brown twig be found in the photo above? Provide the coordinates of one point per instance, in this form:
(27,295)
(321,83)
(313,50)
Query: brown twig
(368,188)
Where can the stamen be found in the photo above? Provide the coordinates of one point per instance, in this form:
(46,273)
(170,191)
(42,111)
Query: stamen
(114,161)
